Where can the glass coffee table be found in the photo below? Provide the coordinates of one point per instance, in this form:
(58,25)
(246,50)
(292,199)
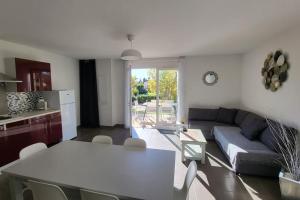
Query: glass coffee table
(193,145)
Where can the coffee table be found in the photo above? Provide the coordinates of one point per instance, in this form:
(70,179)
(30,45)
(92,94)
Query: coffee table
(193,145)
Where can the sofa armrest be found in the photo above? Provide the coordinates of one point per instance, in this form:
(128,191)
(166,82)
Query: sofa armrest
(258,163)
(261,157)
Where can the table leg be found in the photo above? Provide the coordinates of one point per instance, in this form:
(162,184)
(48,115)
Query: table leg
(182,152)
(203,148)
(177,130)
(16,188)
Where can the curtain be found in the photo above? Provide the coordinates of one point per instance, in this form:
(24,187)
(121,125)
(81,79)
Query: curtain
(89,111)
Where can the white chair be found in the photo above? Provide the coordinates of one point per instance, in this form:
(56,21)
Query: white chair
(32,149)
(4,181)
(90,195)
(46,191)
(102,139)
(182,194)
(135,142)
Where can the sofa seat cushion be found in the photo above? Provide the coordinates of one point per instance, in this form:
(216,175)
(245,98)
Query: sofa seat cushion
(252,126)
(226,115)
(242,152)
(206,127)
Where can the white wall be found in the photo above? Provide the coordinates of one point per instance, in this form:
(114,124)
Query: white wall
(64,70)
(110,77)
(118,93)
(227,91)
(103,68)
(283,104)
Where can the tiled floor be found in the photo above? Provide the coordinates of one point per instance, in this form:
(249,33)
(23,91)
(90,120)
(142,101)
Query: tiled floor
(215,180)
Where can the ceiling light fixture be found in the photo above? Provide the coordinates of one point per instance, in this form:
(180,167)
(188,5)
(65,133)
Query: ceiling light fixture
(131,54)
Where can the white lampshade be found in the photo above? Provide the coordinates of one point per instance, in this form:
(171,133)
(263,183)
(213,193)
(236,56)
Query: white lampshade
(131,54)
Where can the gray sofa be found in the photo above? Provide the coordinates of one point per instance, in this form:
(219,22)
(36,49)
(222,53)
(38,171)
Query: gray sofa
(244,138)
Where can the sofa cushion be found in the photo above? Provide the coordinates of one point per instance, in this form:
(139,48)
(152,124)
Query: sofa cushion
(252,126)
(203,114)
(268,136)
(240,116)
(206,127)
(226,115)
(242,152)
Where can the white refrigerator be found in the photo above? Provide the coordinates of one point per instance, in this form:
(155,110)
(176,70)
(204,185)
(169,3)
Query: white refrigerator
(65,101)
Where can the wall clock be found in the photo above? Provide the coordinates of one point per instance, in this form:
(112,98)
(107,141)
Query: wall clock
(210,78)
(275,70)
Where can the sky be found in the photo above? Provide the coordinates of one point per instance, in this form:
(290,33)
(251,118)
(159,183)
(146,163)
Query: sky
(140,73)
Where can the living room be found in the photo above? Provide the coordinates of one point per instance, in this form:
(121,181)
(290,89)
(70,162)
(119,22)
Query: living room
(215,82)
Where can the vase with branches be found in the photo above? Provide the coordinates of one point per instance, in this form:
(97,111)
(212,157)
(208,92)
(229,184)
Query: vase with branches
(286,144)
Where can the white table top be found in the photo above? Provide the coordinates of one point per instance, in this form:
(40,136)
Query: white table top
(192,135)
(141,174)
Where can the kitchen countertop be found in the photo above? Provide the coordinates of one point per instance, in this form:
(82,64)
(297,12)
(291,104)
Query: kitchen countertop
(28,115)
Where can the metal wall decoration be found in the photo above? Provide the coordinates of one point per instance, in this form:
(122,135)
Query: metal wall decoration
(275,70)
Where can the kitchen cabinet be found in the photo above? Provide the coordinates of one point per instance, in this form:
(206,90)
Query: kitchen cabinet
(13,140)
(46,129)
(35,75)
(39,129)
(55,130)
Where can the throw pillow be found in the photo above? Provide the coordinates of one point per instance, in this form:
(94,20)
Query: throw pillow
(252,126)
(268,136)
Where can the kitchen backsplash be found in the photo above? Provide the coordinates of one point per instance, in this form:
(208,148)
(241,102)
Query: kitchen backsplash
(20,102)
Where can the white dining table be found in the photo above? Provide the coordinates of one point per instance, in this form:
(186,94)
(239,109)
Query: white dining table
(113,169)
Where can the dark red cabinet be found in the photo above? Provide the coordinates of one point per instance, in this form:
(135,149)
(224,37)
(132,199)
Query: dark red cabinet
(39,129)
(35,75)
(46,129)
(13,140)
(55,134)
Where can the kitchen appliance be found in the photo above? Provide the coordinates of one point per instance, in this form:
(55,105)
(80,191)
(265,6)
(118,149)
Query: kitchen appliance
(65,101)
(42,104)
(4,117)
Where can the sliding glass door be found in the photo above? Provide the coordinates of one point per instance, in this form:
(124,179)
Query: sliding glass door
(153,97)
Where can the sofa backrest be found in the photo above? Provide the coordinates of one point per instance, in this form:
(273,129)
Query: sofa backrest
(240,116)
(202,114)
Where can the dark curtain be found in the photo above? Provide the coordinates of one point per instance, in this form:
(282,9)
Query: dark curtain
(89,112)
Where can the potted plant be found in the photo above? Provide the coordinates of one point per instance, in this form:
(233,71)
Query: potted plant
(286,144)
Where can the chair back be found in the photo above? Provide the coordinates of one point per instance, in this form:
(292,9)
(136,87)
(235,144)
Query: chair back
(190,176)
(135,142)
(32,149)
(102,139)
(46,191)
(90,195)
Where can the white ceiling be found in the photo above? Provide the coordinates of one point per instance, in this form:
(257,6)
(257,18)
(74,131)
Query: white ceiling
(163,28)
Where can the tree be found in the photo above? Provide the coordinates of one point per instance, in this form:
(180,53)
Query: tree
(152,81)
(168,85)
(140,87)
(134,82)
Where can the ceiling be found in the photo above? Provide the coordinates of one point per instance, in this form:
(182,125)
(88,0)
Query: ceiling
(163,28)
